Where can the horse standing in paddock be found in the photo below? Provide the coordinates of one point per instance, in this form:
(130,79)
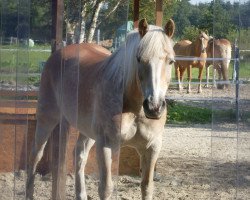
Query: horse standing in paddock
(186,48)
(219,48)
(112,100)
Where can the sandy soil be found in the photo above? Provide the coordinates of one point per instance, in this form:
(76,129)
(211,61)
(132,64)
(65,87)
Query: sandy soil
(196,162)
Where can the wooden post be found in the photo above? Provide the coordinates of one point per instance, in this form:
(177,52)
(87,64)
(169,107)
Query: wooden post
(57,24)
(159,13)
(57,139)
(136,13)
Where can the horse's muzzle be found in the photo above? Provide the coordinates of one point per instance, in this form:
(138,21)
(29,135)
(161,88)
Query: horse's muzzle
(153,110)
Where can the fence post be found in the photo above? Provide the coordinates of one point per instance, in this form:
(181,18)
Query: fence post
(98,36)
(236,78)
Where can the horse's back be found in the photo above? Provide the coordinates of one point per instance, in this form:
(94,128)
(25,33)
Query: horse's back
(220,48)
(224,42)
(66,72)
(180,47)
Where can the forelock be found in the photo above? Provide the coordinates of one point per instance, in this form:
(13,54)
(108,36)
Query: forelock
(154,43)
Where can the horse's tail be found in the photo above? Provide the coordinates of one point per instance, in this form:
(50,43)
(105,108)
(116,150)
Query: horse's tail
(59,140)
(225,63)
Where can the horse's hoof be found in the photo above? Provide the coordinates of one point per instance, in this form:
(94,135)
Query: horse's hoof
(157,177)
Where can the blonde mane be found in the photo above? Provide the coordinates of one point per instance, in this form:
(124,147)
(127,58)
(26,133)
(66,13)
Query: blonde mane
(121,67)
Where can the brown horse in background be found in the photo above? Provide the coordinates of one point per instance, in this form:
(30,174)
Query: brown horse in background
(188,52)
(219,48)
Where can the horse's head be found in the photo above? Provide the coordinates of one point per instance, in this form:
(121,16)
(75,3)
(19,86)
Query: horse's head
(203,39)
(155,57)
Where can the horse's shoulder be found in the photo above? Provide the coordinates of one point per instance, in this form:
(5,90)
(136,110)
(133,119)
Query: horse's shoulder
(225,42)
(186,42)
(182,43)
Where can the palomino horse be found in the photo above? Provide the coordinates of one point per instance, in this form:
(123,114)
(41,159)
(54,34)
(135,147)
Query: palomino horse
(120,101)
(190,50)
(219,48)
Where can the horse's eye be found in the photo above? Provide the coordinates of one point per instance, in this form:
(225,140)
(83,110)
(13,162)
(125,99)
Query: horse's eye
(138,59)
(171,61)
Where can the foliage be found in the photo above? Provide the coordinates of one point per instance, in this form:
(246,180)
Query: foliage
(181,17)
(221,18)
(190,33)
(114,21)
(147,10)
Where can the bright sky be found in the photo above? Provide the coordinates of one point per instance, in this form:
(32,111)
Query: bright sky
(207,1)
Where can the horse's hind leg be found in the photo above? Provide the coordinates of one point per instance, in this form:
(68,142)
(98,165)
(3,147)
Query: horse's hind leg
(207,76)
(45,124)
(83,147)
(200,78)
(58,160)
(189,70)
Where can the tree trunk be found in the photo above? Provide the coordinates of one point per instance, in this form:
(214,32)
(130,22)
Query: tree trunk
(95,15)
(70,33)
(82,25)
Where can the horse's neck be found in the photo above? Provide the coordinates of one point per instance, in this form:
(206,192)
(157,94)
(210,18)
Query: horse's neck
(196,48)
(132,99)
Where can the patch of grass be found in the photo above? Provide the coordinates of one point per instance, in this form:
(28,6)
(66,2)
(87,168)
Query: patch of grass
(182,114)
(179,113)
(22,59)
(244,71)
(228,115)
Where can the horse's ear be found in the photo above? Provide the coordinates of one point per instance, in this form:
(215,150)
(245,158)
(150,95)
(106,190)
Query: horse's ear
(169,28)
(143,27)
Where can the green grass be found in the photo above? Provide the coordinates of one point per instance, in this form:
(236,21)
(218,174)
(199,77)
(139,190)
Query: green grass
(22,59)
(182,114)
(244,71)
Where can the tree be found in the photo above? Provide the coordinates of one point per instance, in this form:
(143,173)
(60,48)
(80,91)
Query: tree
(181,17)
(222,23)
(82,18)
(40,20)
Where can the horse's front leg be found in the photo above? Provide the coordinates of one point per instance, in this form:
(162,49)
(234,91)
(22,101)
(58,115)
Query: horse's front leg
(200,78)
(148,161)
(83,147)
(207,77)
(104,160)
(214,75)
(177,76)
(189,71)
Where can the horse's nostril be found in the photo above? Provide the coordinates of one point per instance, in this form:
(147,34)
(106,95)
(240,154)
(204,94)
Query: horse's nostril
(153,110)
(153,107)
(163,103)
(160,106)
(145,104)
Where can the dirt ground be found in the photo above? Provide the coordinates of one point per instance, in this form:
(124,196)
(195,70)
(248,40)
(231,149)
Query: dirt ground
(196,162)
